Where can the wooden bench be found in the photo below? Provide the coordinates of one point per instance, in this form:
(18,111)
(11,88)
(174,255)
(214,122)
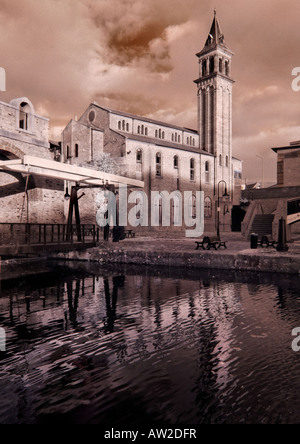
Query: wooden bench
(130,234)
(266,242)
(208,243)
(204,243)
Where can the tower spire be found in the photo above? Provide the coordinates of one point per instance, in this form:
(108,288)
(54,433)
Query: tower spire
(215,37)
(215,96)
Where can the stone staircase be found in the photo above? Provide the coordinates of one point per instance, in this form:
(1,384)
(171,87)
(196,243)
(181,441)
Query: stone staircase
(262,225)
(295,247)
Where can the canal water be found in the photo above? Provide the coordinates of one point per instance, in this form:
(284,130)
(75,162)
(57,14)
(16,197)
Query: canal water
(138,346)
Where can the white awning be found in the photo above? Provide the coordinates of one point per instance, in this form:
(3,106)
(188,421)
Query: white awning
(37,166)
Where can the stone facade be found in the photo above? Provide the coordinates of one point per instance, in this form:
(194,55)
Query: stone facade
(169,157)
(288,165)
(32,199)
(281,200)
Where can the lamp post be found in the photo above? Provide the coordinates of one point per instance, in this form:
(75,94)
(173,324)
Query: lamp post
(263,169)
(67,195)
(219,209)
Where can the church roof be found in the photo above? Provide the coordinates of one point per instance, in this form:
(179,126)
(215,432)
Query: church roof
(215,38)
(163,143)
(145,119)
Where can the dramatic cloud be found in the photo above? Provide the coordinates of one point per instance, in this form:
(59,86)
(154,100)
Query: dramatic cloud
(139,56)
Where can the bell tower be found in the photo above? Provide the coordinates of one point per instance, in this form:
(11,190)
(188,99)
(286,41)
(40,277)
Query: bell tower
(215,100)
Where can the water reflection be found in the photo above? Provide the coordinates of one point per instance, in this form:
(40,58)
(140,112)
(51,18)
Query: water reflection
(139,346)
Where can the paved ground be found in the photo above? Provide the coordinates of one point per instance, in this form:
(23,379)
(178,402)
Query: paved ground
(236,243)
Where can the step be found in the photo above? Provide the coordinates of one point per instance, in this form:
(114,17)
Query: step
(262,225)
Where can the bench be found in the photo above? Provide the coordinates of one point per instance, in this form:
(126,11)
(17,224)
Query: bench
(266,242)
(208,243)
(222,244)
(130,233)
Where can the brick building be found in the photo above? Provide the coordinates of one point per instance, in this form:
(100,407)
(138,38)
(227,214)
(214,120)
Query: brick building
(169,157)
(27,198)
(288,165)
(268,205)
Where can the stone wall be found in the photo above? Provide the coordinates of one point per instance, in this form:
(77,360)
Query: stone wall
(268,262)
(35,200)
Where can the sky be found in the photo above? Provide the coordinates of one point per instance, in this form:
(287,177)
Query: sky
(139,56)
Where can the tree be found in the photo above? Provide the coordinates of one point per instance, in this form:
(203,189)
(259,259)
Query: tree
(103,162)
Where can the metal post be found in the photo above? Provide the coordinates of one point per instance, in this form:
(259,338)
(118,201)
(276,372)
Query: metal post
(282,245)
(218,208)
(74,206)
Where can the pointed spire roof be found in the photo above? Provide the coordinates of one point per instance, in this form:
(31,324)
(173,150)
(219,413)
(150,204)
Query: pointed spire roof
(215,37)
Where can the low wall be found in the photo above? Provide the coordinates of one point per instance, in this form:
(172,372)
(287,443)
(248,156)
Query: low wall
(247,260)
(19,268)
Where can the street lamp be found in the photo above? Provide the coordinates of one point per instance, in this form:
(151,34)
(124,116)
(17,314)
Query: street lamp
(67,195)
(263,169)
(219,209)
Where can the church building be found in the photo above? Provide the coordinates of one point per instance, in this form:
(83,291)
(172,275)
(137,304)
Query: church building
(169,157)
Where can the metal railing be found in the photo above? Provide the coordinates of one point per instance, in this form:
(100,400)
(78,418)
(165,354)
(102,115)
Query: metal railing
(44,234)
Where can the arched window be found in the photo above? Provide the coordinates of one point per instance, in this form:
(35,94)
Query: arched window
(146,131)
(139,156)
(120,125)
(68,152)
(177,210)
(123,125)
(140,214)
(139,130)
(203,68)
(207,208)
(211,65)
(192,207)
(163,135)
(158,165)
(220,160)
(24,116)
(178,139)
(158,210)
(207,172)
(220,66)
(192,169)
(127,127)
(227,68)
(76,150)
(176,162)
(227,161)
(156,133)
